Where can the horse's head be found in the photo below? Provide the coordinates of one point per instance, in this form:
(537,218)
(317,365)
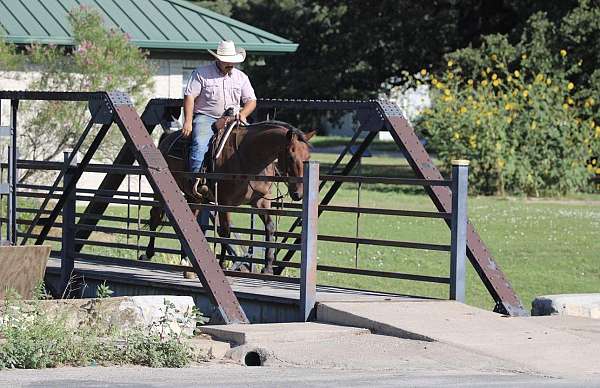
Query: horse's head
(291,161)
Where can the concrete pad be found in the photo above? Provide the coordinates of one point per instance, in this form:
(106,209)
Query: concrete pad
(577,305)
(550,349)
(278,332)
(205,348)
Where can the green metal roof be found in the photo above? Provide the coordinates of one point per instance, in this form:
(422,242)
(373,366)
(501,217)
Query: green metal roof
(152,24)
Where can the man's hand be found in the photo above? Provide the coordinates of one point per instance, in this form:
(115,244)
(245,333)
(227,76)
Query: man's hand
(242,118)
(186,131)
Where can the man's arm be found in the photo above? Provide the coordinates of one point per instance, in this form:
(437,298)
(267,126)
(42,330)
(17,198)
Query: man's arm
(188,115)
(247,110)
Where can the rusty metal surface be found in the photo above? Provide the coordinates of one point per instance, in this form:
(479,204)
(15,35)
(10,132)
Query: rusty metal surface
(153,114)
(507,301)
(193,241)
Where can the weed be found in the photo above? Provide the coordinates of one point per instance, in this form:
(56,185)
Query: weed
(103,291)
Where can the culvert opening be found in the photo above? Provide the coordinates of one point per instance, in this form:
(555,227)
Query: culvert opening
(252,359)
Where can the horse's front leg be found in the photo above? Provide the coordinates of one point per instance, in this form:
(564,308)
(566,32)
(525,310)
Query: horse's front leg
(269,235)
(225,232)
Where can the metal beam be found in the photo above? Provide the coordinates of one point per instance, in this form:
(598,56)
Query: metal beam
(497,284)
(185,224)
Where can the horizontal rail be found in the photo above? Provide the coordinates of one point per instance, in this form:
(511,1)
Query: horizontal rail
(386,212)
(385,180)
(88,258)
(132,247)
(385,243)
(248,210)
(52,96)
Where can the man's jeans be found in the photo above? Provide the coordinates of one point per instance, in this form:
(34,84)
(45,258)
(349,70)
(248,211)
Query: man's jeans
(201,133)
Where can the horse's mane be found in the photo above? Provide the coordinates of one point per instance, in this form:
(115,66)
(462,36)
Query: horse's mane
(283,124)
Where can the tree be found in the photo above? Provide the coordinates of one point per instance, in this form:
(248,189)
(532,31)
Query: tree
(101,59)
(349,48)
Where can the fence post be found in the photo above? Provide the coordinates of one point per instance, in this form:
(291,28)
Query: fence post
(310,216)
(67,261)
(11,225)
(458,234)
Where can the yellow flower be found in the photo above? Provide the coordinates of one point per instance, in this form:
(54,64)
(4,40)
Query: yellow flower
(447,92)
(570,86)
(500,163)
(494,57)
(509,78)
(525,93)
(423,72)
(450,75)
(570,101)
(470,82)
(498,146)
(509,120)
(434,82)
(563,53)
(508,106)
(597,132)
(456,135)
(473,141)
(533,125)
(478,122)
(539,77)
(463,109)
(592,124)
(524,56)
(494,76)
(592,102)
(548,81)
(484,82)
(496,82)
(517,73)
(565,106)
(439,85)
(450,63)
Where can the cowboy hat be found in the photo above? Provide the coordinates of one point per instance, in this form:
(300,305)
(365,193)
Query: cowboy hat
(226,52)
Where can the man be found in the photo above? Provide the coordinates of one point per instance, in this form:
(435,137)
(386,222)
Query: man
(210,90)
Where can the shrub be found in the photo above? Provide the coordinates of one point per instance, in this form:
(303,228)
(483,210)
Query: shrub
(515,111)
(29,338)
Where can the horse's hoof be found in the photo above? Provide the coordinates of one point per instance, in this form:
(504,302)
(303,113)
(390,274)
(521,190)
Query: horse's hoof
(143,258)
(267,271)
(189,275)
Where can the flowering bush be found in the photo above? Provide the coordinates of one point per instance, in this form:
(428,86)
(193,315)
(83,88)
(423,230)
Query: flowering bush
(515,111)
(101,59)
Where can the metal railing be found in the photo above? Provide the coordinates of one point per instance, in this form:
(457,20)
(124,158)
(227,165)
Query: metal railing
(306,241)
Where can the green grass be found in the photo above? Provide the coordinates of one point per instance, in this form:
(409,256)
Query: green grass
(543,246)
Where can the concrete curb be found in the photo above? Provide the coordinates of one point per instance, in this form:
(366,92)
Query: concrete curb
(328,314)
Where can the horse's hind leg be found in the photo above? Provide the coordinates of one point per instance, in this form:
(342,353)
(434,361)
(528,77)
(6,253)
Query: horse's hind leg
(156,215)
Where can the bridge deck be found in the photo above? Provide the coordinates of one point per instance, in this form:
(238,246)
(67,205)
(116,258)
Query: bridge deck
(262,300)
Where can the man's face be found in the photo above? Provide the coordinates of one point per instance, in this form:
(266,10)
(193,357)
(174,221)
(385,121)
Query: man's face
(225,67)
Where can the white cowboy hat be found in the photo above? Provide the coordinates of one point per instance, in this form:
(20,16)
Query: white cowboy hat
(226,52)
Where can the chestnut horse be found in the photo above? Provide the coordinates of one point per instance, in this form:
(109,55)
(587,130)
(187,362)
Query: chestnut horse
(259,149)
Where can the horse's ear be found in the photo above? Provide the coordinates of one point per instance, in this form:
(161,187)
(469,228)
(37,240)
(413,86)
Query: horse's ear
(310,134)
